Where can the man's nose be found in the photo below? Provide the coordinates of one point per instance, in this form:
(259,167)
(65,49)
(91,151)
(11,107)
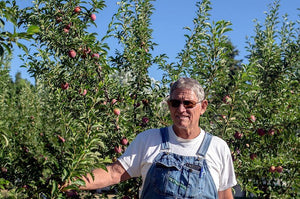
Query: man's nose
(181,108)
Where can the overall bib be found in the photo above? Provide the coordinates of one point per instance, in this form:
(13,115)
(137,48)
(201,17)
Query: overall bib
(175,176)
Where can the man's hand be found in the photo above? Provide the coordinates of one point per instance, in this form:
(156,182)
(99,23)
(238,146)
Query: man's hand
(115,173)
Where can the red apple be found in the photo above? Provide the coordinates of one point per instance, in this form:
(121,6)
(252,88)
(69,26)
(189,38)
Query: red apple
(68,26)
(66,30)
(238,135)
(113,101)
(145,120)
(261,132)
(93,17)
(279,169)
(271,132)
(3,170)
(145,101)
(252,118)
(61,138)
(87,50)
(72,53)
(77,9)
(253,156)
(64,86)
(227,99)
(71,194)
(95,55)
(124,141)
(82,92)
(118,149)
(58,19)
(117,111)
(272,169)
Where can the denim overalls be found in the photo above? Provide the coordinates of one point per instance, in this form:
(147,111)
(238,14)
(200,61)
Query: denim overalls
(175,176)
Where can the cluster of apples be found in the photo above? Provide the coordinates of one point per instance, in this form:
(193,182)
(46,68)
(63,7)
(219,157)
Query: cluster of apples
(278,169)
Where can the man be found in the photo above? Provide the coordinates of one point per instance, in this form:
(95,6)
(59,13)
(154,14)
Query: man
(179,161)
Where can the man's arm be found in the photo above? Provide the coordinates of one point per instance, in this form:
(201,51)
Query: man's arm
(226,194)
(115,173)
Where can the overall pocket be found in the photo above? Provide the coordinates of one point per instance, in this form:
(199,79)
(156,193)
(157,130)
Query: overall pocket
(165,177)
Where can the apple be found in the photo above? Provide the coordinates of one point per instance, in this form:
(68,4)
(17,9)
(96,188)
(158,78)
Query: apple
(271,132)
(272,169)
(64,86)
(118,149)
(61,138)
(3,170)
(238,135)
(124,141)
(145,120)
(252,118)
(77,9)
(93,17)
(87,50)
(66,30)
(261,132)
(95,55)
(279,169)
(145,101)
(82,92)
(68,26)
(117,111)
(71,194)
(58,19)
(227,99)
(113,101)
(253,156)
(72,53)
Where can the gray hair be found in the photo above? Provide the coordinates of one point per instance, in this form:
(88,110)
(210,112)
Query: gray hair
(188,83)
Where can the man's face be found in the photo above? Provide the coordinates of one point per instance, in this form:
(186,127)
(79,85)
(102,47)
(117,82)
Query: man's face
(186,118)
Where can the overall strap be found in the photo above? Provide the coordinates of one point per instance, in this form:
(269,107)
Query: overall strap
(205,144)
(165,138)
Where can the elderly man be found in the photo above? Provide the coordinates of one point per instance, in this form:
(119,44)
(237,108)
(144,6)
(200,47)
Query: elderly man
(179,161)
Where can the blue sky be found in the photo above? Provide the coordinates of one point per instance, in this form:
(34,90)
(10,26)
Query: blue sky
(170,16)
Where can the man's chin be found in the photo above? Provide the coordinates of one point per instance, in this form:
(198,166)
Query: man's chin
(181,126)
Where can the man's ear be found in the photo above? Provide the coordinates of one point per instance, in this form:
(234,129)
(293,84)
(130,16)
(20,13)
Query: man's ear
(203,105)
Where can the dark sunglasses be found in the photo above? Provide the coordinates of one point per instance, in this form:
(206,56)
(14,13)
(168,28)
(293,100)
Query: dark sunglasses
(186,103)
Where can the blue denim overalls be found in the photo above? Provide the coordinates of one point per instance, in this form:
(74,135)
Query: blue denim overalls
(175,176)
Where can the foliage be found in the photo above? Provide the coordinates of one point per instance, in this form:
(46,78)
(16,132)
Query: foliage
(85,102)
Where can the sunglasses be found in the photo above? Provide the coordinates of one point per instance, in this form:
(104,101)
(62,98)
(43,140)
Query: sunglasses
(186,103)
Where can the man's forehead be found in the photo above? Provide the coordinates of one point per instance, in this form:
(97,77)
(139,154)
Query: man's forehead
(183,93)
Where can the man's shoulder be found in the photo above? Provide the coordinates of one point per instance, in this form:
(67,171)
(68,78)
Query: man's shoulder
(218,142)
(149,134)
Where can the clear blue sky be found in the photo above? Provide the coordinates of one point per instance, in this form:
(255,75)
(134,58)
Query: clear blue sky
(170,16)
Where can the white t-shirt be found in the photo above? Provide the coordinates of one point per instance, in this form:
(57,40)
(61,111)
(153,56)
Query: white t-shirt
(140,154)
